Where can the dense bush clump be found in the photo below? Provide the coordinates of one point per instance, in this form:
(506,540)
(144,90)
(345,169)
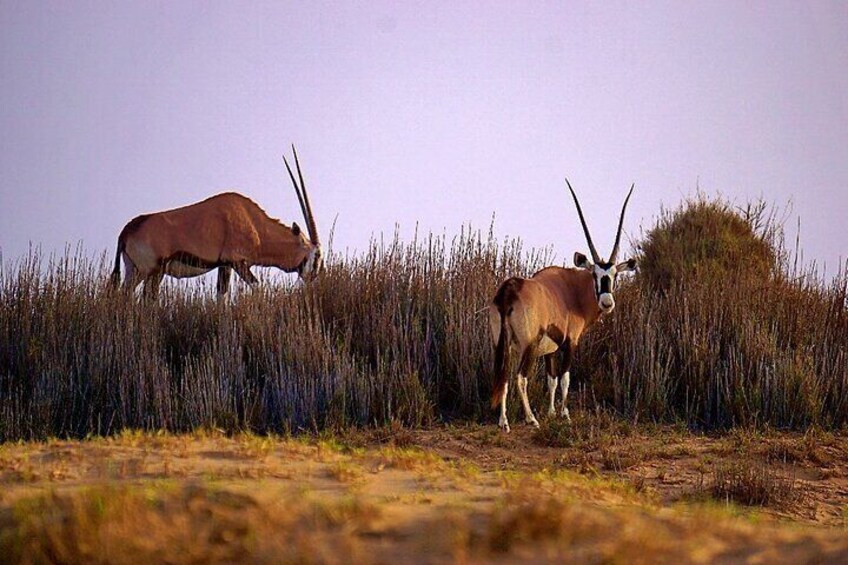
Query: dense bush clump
(707,240)
(718,330)
(400,334)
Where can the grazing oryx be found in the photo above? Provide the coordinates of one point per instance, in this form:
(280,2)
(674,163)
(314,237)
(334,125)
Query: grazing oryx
(546,315)
(226,231)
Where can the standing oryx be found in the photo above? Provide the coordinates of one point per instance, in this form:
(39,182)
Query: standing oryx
(546,315)
(226,231)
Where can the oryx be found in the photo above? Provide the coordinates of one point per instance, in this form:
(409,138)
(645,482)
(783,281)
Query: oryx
(226,231)
(546,315)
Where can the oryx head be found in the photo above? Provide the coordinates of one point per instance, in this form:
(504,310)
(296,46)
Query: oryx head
(312,262)
(603,272)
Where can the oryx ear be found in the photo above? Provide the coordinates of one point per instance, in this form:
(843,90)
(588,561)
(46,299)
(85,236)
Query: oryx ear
(580,260)
(628,265)
(295,228)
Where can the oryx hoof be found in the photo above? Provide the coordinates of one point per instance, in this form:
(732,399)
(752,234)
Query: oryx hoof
(566,415)
(503,424)
(534,422)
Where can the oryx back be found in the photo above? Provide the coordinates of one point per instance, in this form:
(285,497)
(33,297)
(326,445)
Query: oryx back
(194,239)
(553,305)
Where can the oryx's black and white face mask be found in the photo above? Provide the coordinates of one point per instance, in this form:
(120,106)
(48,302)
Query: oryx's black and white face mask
(312,265)
(604,273)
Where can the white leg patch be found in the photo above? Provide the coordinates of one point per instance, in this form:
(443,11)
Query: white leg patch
(552,386)
(528,412)
(503,423)
(565,381)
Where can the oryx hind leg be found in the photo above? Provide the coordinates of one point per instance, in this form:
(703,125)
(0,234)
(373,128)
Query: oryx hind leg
(131,274)
(564,382)
(503,423)
(528,362)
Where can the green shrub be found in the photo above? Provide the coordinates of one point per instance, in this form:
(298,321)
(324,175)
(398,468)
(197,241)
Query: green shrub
(707,240)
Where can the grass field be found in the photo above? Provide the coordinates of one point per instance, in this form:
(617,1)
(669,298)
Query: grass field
(464,494)
(350,418)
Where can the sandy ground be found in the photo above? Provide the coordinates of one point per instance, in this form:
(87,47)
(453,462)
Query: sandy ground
(674,465)
(598,491)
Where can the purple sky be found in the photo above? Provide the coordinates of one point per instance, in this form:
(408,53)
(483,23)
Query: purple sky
(440,113)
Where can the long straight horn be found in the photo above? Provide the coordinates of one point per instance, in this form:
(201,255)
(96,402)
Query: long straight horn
(592,249)
(310,220)
(296,189)
(614,253)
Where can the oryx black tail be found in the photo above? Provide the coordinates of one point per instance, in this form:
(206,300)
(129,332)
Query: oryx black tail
(506,296)
(116,272)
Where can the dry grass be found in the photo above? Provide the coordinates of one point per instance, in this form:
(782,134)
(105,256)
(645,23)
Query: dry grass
(749,483)
(178,524)
(411,459)
(345,472)
(534,522)
(394,335)
(398,336)
(587,431)
(722,328)
(321,499)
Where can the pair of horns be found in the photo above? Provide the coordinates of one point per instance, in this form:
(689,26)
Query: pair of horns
(303,198)
(595,257)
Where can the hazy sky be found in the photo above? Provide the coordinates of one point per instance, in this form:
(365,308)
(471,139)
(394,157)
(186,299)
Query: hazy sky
(440,113)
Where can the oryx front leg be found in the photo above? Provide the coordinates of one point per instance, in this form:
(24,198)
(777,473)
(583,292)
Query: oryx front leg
(223,285)
(565,380)
(503,423)
(529,418)
(242,269)
(553,381)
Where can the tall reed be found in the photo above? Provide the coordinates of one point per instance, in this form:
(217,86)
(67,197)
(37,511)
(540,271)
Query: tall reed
(398,333)
(401,333)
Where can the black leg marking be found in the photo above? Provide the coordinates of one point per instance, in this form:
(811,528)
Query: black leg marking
(555,334)
(243,271)
(566,355)
(224,280)
(552,362)
(528,360)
